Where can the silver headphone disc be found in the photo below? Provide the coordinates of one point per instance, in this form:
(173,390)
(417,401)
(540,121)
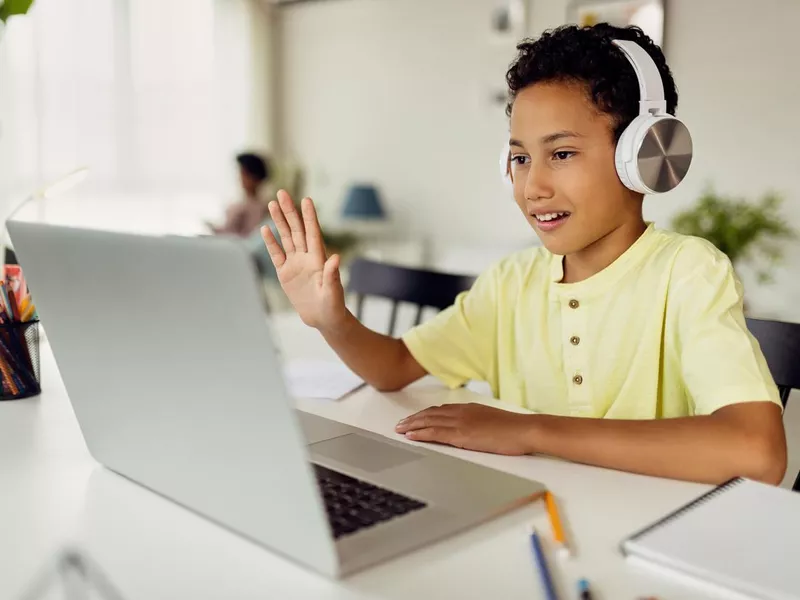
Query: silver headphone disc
(665,155)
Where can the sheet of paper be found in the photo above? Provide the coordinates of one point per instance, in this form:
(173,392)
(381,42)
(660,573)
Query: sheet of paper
(320,379)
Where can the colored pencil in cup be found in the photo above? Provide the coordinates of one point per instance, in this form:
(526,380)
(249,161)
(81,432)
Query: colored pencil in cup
(12,305)
(24,303)
(18,332)
(29,312)
(19,372)
(8,378)
(4,298)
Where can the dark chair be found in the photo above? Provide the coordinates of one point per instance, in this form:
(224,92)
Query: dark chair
(780,343)
(402,284)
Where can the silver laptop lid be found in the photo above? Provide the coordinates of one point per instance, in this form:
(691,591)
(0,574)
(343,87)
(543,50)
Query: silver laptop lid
(165,352)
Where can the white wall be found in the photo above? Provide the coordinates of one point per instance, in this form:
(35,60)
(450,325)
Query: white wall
(397,92)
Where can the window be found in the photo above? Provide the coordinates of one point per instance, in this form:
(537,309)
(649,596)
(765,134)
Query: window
(155,96)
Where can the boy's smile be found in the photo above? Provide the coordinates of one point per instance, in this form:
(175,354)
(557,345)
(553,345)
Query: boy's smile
(547,221)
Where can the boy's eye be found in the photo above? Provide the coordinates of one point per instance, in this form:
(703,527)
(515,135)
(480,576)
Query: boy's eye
(519,159)
(562,154)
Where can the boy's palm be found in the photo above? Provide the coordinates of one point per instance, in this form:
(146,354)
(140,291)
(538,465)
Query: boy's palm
(311,282)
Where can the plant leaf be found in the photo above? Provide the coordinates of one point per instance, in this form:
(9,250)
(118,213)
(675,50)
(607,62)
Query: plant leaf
(743,230)
(10,8)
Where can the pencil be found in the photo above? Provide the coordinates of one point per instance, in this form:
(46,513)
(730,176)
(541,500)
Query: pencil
(5,369)
(20,373)
(27,315)
(4,297)
(12,305)
(541,563)
(555,523)
(18,332)
(24,303)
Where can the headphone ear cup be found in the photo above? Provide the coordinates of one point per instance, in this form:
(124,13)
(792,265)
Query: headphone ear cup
(622,158)
(626,156)
(653,154)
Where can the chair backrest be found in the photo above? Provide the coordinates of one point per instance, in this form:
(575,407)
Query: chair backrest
(780,343)
(402,284)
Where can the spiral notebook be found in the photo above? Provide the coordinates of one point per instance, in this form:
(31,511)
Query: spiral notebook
(742,536)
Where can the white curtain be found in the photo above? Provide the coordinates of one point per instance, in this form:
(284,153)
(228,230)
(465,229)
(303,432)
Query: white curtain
(154,96)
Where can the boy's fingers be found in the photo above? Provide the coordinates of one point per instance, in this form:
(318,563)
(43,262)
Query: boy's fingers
(293,218)
(446,410)
(439,435)
(313,233)
(276,212)
(273,247)
(424,422)
(330,272)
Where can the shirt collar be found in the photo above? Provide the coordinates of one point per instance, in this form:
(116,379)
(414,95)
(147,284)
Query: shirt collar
(636,253)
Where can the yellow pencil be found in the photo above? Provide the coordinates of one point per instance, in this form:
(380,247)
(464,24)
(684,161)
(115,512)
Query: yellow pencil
(555,523)
(28,314)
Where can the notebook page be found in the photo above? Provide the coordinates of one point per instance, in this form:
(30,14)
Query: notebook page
(320,379)
(746,537)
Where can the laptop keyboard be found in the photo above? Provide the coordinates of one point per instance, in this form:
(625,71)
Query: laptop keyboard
(353,504)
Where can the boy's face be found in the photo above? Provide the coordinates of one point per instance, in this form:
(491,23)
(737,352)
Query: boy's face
(249,183)
(562,163)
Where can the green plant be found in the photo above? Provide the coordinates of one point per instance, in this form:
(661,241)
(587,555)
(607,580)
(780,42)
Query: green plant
(339,243)
(9,8)
(745,231)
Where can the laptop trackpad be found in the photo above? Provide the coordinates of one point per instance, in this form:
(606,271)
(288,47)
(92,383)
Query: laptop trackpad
(364,453)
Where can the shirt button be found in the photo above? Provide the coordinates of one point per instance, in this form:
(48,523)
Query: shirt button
(574,303)
(577,380)
(574,340)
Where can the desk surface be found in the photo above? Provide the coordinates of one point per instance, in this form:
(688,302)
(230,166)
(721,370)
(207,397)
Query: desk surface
(53,493)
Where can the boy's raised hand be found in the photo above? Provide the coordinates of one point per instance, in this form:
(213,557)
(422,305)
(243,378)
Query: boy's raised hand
(310,281)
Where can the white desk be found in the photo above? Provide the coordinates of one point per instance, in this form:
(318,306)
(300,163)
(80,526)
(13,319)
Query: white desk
(52,492)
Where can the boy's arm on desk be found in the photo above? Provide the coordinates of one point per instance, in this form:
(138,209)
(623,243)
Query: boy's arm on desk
(382,361)
(740,440)
(745,440)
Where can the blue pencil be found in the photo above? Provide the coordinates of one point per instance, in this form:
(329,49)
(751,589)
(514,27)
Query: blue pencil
(544,572)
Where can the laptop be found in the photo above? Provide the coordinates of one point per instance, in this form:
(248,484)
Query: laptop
(165,351)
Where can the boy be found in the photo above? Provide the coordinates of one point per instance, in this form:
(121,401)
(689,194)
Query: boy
(628,342)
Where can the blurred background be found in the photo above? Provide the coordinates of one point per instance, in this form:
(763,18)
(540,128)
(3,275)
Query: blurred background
(389,113)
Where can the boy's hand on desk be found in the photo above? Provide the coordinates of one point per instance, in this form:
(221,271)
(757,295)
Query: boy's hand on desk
(311,282)
(472,427)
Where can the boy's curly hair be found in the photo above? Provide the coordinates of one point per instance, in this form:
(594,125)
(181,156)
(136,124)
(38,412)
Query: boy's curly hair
(586,55)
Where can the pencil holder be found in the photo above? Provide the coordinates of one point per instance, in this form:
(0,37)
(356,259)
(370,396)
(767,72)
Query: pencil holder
(19,360)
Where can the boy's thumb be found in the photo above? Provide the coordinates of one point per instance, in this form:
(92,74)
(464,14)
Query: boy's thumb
(330,272)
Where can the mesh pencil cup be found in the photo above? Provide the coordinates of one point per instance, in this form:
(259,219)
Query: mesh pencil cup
(19,360)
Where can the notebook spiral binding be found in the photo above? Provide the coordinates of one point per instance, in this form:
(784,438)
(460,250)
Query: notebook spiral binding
(684,509)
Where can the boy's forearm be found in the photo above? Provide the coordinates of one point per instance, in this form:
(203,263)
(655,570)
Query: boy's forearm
(707,449)
(382,361)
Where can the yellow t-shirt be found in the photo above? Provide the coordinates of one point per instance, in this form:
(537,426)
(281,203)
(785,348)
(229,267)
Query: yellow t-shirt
(658,333)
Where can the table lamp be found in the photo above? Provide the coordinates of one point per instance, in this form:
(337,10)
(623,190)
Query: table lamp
(363,203)
(51,190)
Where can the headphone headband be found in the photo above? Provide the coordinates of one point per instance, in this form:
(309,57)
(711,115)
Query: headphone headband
(651,88)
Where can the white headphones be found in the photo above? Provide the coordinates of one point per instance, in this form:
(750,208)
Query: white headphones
(654,152)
